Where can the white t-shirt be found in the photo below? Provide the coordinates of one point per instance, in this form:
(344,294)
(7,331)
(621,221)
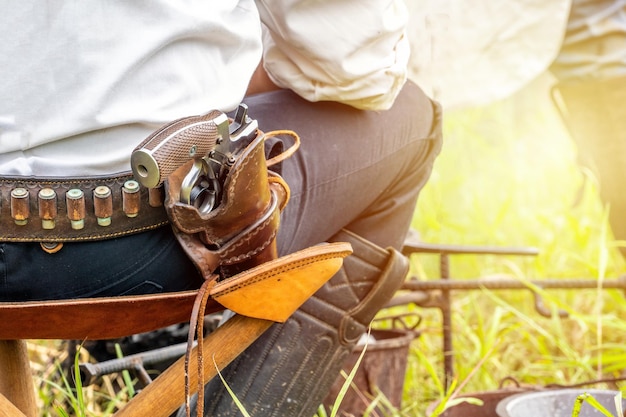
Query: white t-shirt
(84,82)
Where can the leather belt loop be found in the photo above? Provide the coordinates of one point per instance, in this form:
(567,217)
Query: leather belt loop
(77,209)
(156,196)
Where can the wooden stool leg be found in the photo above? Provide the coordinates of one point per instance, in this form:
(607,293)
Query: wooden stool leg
(16,381)
(163,396)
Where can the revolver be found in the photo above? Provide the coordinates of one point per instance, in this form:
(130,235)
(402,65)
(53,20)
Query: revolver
(212,140)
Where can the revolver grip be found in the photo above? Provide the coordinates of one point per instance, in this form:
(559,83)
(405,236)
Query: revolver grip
(165,150)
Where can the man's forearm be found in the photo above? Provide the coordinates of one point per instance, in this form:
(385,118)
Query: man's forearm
(260,82)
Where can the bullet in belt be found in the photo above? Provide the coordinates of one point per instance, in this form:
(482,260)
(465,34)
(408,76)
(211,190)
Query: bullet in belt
(103,205)
(47,198)
(20,207)
(75,202)
(131,198)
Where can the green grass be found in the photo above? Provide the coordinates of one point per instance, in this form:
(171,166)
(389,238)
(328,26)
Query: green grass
(507,176)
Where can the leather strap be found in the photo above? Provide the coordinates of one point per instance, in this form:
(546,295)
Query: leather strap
(286,153)
(97,318)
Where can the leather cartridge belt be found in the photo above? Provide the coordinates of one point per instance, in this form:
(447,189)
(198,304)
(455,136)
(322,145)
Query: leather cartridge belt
(77,209)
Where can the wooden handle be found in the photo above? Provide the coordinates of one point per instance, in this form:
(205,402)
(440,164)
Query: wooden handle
(167,393)
(7,409)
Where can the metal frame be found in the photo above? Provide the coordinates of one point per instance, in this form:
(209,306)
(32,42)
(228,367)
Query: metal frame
(438,293)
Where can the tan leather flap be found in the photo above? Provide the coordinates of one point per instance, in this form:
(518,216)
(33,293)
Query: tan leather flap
(275,289)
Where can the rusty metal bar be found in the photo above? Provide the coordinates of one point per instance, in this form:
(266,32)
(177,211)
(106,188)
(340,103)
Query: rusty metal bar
(511,284)
(446,320)
(421,247)
(90,372)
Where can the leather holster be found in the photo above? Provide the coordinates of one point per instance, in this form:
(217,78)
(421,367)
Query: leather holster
(240,232)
